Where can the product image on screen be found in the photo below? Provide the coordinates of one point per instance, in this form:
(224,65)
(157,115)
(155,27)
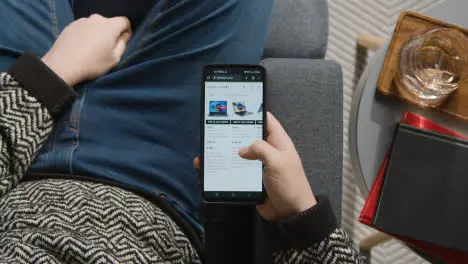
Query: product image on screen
(239,108)
(227,129)
(218,108)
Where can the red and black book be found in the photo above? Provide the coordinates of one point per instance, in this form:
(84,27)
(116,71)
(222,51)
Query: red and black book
(416,198)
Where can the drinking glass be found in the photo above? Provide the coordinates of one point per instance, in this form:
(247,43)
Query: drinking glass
(432,66)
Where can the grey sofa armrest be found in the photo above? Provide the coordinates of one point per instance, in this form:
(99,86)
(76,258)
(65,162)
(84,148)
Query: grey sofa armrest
(299,29)
(307,97)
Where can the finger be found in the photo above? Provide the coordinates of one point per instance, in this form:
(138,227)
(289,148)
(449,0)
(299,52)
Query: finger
(266,210)
(276,135)
(196,162)
(126,36)
(259,150)
(122,24)
(120,48)
(96,16)
(122,42)
(262,210)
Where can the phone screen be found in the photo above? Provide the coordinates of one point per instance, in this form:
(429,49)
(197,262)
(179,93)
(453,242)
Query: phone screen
(233,117)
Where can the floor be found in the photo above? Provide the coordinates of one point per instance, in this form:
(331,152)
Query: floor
(348,19)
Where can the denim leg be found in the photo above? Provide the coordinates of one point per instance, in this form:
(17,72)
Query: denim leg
(30,26)
(139,125)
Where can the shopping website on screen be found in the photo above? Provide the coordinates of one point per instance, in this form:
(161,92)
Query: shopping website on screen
(233,119)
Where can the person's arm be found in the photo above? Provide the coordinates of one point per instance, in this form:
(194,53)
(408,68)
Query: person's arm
(300,226)
(312,236)
(336,248)
(30,93)
(35,89)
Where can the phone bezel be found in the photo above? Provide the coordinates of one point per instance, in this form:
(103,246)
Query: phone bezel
(243,200)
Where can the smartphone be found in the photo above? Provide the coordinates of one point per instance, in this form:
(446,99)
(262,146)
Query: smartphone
(232,116)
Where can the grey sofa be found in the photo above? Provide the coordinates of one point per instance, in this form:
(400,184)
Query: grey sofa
(305,92)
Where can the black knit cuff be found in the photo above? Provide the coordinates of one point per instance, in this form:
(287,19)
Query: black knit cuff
(42,83)
(302,230)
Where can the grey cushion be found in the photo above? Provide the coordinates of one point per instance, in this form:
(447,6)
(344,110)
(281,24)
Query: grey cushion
(307,97)
(299,29)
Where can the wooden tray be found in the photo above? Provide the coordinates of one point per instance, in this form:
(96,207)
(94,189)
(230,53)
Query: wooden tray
(410,24)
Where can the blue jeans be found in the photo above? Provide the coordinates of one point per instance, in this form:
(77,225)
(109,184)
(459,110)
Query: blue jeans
(139,124)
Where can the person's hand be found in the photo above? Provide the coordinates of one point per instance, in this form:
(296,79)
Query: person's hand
(88,48)
(284,178)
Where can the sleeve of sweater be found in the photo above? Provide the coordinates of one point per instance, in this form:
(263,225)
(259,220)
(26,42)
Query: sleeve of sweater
(30,95)
(311,237)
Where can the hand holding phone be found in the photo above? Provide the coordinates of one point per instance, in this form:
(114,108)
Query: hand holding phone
(284,178)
